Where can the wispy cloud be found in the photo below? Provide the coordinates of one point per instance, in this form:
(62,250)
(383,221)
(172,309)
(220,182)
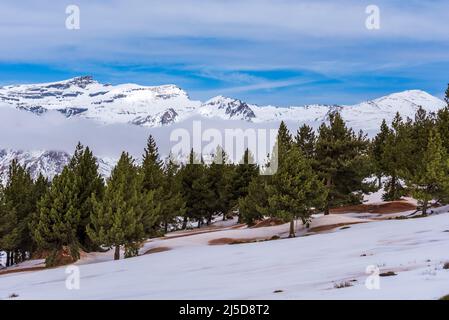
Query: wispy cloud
(207,46)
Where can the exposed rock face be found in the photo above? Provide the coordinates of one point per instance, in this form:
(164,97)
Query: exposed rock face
(49,163)
(164,105)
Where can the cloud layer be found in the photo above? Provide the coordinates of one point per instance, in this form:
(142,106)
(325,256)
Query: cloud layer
(265,51)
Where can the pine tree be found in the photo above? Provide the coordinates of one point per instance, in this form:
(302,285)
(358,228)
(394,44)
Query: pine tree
(89,183)
(125,211)
(196,190)
(152,166)
(294,191)
(430,178)
(246,170)
(342,162)
(153,181)
(395,154)
(442,122)
(40,188)
(377,151)
(58,218)
(305,140)
(19,204)
(420,133)
(220,176)
(251,207)
(172,202)
(284,142)
(241,176)
(7,223)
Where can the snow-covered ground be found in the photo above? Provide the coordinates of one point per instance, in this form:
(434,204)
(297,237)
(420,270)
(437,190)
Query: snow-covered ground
(305,267)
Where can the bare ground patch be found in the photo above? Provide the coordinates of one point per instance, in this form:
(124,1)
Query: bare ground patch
(332,226)
(222,241)
(157,249)
(16,270)
(201,231)
(270,222)
(382,208)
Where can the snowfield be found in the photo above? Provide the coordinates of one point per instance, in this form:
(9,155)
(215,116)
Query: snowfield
(307,267)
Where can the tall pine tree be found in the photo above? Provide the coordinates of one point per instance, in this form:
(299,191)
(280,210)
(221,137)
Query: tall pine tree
(58,218)
(152,172)
(342,162)
(305,140)
(19,204)
(172,203)
(295,190)
(196,190)
(377,151)
(89,183)
(430,179)
(125,211)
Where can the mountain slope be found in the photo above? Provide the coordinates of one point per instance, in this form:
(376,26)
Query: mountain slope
(163,105)
(317,266)
(83,97)
(49,163)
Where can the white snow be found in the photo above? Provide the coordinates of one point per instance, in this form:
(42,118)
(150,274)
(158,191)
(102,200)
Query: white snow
(166,104)
(303,268)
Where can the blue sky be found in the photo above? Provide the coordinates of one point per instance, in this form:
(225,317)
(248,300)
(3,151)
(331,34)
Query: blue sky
(280,52)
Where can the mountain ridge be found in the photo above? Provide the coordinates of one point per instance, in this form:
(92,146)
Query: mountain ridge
(157,106)
(154,106)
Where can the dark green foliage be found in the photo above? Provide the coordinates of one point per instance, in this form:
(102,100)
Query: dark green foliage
(89,183)
(342,162)
(442,124)
(153,179)
(377,151)
(305,140)
(172,202)
(221,175)
(395,157)
(125,212)
(430,177)
(295,190)
(19,199)
(58,217)
(251,206)
(244,172)
(196,190)
(151,167)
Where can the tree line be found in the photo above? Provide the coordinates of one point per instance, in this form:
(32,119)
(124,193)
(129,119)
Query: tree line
(316,171)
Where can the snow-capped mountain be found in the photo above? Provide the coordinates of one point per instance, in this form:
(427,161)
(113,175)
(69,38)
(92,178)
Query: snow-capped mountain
(163,105)
(158,106)
(49,163)
(224,107)
(87,98)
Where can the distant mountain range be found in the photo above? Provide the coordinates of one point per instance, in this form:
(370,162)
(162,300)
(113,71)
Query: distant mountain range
(162,105)
(168,104)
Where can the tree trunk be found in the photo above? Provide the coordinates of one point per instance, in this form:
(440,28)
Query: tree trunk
(328,186)
(117,253)
(292,228)
(326,209)
(165,226)
(8,258)
(394,195)
(184,223)
(379,181)
(424,207)
(199,224)
(12,258)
